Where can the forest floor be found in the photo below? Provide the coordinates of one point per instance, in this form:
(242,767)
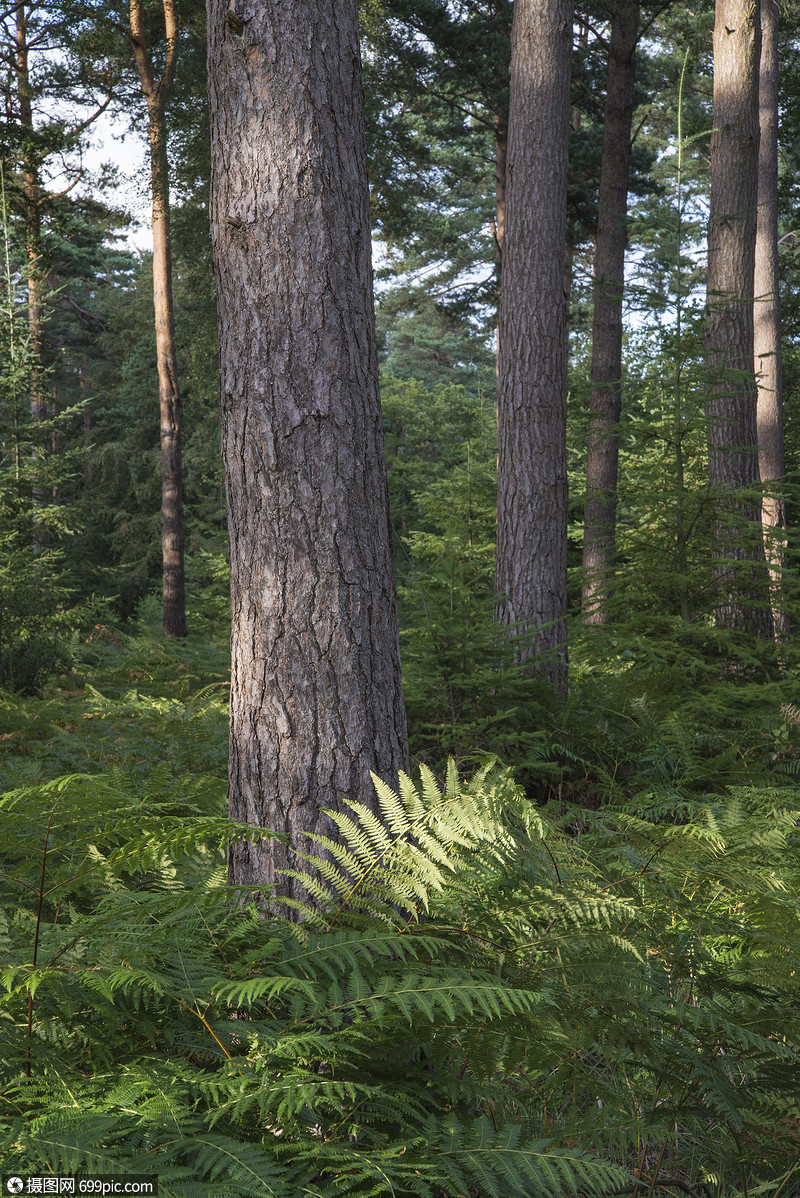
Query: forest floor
(602,991)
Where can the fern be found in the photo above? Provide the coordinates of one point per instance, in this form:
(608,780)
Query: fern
(488,997)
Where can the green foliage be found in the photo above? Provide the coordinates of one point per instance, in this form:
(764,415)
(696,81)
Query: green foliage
(165,1021)
(583,984)
(161,702)
(465,695)
(485,997)
(118,546)
(34,585)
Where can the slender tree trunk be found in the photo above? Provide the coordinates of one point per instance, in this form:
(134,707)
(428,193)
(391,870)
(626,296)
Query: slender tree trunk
(54,437)
(31,197)
(532,335)
(571,235)
(31,192)
(33,247)
(767,318)
(156,93)
(501,154)
(580,42)
(731,408)
(316,698)
(87,425)
(172,537)
(609,273)
(503,16)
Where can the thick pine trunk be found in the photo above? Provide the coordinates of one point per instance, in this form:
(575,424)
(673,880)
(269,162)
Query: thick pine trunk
(532,339)
(609,271)
(316,697)
(767,317)
(172,538)
(731,407)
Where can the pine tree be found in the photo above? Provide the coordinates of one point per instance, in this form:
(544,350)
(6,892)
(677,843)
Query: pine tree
(156,92)
(731,408)
(532,339)
(316,700)
(767,316)
(609,270)
(57,83)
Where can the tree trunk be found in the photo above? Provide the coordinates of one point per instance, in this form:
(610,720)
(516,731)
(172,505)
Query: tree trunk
(731,407)
(580,42)
(156,93)
(767,318)
(501,154)
(316,697)
(87,424)
(172,539)
(503,16)
(33,248)
(31,198)
(532,340)
(31,193)
(571,235)
(609,274)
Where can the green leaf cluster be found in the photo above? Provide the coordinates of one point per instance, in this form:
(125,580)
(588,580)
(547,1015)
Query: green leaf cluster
(486,996)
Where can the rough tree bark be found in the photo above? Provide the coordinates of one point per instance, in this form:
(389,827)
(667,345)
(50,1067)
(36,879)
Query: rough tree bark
(731,406)
(767,317)
(609,272)
(532,339)
(316,698)
(156,92)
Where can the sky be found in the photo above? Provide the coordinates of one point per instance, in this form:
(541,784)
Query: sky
(112,141)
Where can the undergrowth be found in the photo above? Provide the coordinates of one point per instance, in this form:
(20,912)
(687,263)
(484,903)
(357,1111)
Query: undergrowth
(497,991)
